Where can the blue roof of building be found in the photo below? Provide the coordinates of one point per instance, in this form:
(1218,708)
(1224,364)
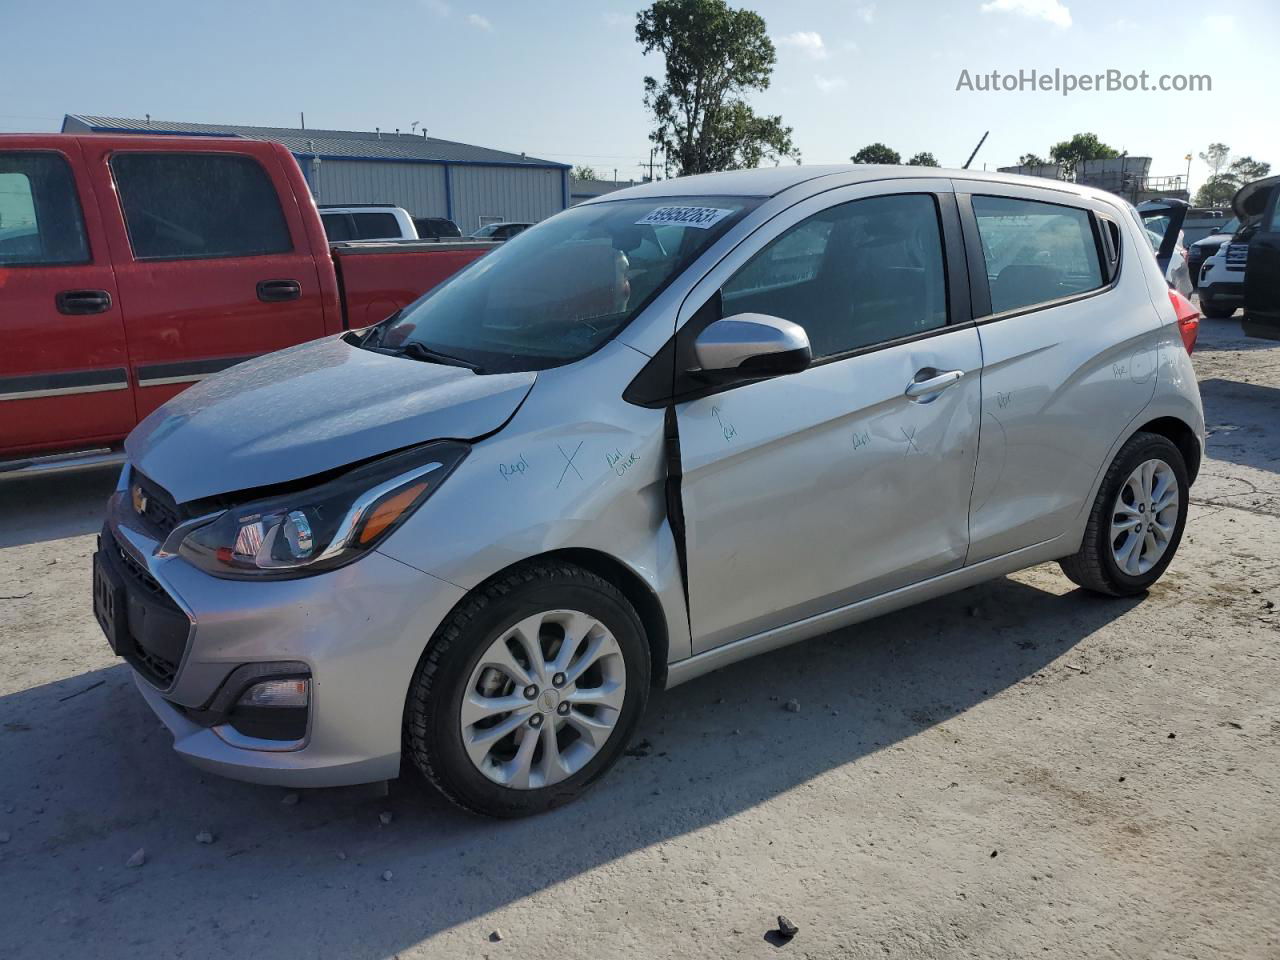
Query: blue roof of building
(334,144)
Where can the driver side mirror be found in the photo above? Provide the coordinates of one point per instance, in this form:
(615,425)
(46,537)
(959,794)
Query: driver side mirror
(753,345)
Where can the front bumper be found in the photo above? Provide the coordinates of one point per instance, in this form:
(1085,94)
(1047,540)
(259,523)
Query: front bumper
(360,630)
(1222,292)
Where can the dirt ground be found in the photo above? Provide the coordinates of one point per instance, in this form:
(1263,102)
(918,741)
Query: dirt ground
(1019,770)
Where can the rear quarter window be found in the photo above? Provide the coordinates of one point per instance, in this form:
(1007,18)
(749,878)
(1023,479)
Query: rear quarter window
(1035,252)
(376,226)
(191,206)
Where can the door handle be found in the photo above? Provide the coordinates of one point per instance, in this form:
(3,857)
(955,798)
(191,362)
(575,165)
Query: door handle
(77,302)
(929,383)
(276,291)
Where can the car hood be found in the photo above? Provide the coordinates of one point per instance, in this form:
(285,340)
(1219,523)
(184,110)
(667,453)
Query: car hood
(1213,240)
(310,409)
(1251,199)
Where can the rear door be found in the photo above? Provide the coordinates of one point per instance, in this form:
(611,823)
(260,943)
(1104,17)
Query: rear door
(212,266)
(1163,220)
(807,492)
(1069,345)
(1262,271)
(63,359)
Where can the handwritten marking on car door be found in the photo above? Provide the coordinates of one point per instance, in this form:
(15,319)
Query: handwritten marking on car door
(860,440)
(568,463)
(728,429)
(910,437)
(1003,399)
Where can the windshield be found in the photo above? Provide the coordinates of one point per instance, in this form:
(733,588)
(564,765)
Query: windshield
(486,231)
(559,290)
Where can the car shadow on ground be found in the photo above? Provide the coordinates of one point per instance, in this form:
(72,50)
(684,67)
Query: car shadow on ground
(1245,439)
(87,777)
(53,506)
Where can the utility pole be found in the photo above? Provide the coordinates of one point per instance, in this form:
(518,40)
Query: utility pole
(1188,159)
(302,119)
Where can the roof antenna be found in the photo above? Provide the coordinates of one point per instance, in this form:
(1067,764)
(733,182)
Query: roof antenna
(975,151)
(378,131)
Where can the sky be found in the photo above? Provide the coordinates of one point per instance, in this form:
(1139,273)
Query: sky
(563,80)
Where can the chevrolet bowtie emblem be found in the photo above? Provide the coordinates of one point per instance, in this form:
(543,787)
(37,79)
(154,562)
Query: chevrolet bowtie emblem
(139,500)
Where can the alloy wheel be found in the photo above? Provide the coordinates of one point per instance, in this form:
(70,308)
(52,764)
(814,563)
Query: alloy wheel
(1145,517)
(543,699)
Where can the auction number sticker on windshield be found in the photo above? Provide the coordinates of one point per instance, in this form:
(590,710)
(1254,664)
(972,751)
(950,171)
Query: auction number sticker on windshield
(699,217)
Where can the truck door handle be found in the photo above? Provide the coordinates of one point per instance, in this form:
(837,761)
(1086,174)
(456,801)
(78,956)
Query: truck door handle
(76,302)
(929,382)
(276,291)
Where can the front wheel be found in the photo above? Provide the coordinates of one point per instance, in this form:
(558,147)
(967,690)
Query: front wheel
(529,691)
(1137,519)
(1216,311)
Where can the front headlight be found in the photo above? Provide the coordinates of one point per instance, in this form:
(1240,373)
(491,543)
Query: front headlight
(309,531)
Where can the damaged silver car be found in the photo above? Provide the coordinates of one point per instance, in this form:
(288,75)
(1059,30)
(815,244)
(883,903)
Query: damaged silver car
(662,431)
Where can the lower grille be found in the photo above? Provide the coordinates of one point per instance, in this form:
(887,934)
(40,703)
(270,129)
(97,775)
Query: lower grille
(159,509)
(157,628)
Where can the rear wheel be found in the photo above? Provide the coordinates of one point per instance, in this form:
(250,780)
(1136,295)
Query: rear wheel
(529,691)
(1137,519)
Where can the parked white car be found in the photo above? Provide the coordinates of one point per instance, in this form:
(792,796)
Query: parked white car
(472,538)
(377,221)
(1221,283)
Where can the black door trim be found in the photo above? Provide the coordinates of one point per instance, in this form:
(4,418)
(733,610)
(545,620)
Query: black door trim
(31,386)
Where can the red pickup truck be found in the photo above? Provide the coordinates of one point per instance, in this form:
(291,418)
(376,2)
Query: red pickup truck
(133,266)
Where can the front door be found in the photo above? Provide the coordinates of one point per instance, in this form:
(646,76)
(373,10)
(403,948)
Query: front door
(1262,268)
(64,378)
(213,268)
(852,478)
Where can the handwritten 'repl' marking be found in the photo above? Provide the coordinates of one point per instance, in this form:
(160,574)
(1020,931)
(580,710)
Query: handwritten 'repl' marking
(517,469)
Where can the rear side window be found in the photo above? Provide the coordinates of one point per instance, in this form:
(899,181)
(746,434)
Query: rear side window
(40,219)
(337,226)
(191,206)
(853,275)
(1035,252)
(375,226)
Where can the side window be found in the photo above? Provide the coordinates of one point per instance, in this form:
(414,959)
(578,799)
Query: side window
(337,226)
(1275,211)
(1035,252)
(40,219)
(191,206)
(375,226)
(854,275)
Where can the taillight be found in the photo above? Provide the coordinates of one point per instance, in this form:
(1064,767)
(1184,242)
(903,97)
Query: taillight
(1188,319)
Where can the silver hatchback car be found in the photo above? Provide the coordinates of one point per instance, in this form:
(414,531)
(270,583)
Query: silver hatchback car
(664,430)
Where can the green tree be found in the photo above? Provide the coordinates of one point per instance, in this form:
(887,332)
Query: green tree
(1228,176)
(712,56)
(1083,146)
(1032,160)
(876,153)
(583,172)
(923,159)
(1215,155)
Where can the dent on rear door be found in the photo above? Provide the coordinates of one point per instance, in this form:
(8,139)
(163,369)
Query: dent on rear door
(1059,386)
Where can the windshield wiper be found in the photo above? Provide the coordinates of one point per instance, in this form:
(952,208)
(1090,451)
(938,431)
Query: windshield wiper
(420,351)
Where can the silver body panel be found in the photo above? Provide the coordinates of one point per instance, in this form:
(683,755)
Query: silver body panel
(810,501)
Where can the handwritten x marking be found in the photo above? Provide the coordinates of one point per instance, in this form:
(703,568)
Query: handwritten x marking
(568,462)
(911,440)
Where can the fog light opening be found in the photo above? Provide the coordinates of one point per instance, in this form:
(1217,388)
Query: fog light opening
(294,692)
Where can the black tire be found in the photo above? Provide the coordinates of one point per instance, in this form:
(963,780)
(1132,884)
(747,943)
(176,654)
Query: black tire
(433,728)
(1216,311)
(1094,566)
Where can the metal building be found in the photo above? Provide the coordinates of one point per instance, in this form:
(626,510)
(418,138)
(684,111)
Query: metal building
(470,185)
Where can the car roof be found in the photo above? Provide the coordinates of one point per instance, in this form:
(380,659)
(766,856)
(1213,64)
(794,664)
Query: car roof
(771,181)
